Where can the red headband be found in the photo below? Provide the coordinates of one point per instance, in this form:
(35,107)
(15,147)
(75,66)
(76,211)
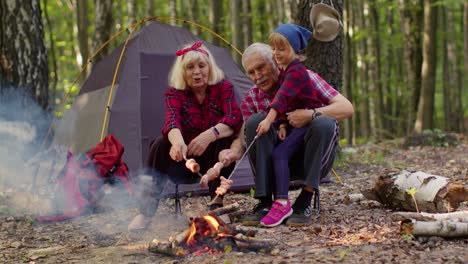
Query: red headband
(196,47)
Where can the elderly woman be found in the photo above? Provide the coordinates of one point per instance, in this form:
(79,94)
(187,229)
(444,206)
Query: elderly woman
(202,118)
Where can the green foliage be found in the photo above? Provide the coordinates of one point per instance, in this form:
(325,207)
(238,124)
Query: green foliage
(252,192)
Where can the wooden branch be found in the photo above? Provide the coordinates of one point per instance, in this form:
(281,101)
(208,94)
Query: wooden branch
(434,228)
(460,216)
(179,238)
(166,249)
(435,194)
(253,244)
(225,210)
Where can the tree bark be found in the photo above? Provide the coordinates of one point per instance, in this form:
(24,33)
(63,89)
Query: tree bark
(194,13)
(23,56)
(425,114)
(103,26)
(172,10)
(434,194)
(291,9)
(150,6)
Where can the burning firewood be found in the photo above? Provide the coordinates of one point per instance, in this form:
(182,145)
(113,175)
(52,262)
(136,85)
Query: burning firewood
(210,234)
(167,249)
(434,194)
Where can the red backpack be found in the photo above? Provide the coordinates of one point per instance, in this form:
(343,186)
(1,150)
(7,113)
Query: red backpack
(83,179)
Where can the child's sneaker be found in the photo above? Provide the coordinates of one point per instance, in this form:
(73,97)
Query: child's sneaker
(277,214)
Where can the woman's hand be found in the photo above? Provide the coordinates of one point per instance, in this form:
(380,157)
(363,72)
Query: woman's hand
(198,145)
(282,132)
(263,127)
(178,152)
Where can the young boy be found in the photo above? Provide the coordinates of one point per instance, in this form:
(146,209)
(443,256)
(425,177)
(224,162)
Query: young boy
(296,91)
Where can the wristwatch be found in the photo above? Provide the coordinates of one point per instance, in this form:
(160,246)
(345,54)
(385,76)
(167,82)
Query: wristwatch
(316,114)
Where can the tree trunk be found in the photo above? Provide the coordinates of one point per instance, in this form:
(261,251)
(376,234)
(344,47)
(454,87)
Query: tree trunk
(434,194)
(216,10)
(132,12)
(23,56)
(425,114)
(103,26)
(291,9)
(411,25)
(247,22)
(53,59)
(194,13)
(348,70)
(465,35)
(235,8)
(150,6)
(172,10)
(449,72)
(82,24)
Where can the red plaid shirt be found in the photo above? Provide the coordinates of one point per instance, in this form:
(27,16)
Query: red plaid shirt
(296,91)
(183,111)
(257,101)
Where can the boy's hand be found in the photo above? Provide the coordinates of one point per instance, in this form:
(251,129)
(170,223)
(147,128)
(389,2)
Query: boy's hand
(263,127)
(282,132)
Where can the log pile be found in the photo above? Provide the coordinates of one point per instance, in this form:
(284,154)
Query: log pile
(433,194)
(208,240)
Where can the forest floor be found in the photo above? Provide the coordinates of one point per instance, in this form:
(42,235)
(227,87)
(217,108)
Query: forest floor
(361,232)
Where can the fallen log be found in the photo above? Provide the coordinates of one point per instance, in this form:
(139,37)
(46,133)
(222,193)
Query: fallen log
(253,244)
(434,228)
(434,194)
(461,216)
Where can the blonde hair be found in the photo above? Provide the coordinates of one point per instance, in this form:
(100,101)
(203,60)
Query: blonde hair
(276,39)
(177,73)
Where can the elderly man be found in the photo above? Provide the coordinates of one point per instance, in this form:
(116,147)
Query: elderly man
(313,162)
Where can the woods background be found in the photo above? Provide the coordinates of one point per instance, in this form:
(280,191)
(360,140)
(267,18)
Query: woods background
(402,63)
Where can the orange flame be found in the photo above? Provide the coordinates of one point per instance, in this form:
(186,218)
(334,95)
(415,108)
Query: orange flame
(212,221)
(193,230)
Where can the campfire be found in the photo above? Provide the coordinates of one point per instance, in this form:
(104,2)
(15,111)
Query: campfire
(209,234)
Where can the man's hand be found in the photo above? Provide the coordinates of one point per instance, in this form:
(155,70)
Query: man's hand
(229,156)
(299,117)
(178,152)
(198,145)
(263,127)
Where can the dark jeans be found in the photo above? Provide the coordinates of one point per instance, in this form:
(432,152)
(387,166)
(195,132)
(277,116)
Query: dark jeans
(310,163)
(161,167)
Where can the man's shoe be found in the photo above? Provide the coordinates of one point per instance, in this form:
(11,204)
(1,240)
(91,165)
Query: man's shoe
(300,217)
(278,213)
(258,213)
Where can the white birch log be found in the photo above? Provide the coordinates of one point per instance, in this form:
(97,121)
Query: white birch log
(434,228)
(461,216)
(435,194)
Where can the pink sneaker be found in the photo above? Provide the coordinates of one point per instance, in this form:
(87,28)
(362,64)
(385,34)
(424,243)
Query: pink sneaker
(277,214)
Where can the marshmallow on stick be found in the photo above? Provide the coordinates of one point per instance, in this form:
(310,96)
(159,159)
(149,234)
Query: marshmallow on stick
(192,165)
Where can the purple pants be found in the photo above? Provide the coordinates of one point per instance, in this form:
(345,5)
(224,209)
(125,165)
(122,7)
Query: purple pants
(282,154)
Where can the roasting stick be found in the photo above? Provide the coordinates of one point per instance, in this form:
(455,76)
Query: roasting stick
(237,165)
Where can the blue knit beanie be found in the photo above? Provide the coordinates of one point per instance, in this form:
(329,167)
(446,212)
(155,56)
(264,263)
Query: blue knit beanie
(296,35)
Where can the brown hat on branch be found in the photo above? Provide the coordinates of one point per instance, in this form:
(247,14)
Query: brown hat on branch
(325,21)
